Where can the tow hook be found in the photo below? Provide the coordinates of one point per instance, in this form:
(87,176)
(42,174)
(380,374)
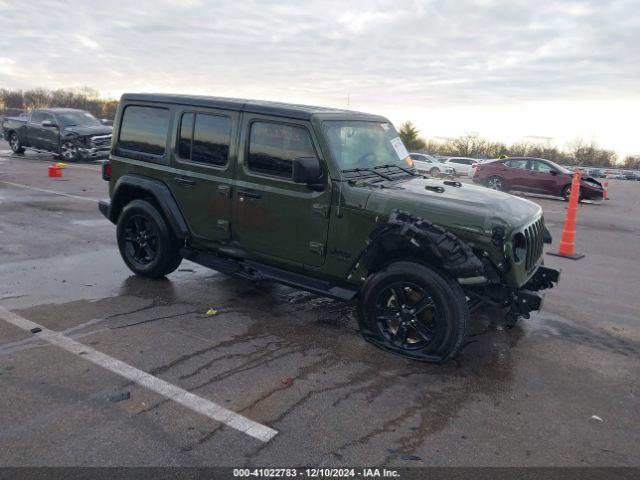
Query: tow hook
(522,302)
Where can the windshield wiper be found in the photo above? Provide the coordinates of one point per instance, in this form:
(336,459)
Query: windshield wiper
(369,170)
(389,165)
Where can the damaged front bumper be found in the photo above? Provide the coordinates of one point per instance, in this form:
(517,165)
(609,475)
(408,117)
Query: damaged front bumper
(93,153)
(95,147)
(520,302)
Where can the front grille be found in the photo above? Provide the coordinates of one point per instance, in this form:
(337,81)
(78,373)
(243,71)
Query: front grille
(534,237)
(101,141)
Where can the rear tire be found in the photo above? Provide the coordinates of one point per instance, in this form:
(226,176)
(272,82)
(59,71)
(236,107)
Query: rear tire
(434,172)
(14,143)
(496,183)
(147,245)
(414,311)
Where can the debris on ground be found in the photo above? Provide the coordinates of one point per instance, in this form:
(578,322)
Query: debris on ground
(596,418)
(286,381)
(211,312)
(36,330)
(186,270)
(120,397)
(413,458)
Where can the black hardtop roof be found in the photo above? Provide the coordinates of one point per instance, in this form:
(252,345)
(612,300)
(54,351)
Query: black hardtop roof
(305,112)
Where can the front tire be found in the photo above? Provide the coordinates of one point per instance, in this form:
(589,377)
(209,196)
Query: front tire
(14,143)
(566,193)
(69,151)
(414,311)
(435,172)
(147,245)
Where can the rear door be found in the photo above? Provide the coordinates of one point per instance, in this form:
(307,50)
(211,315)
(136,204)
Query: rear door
(34,129)
(274,217)
(517,175)
(460,165)
(203,157)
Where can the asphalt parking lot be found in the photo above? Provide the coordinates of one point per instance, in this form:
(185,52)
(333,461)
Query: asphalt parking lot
(559,389)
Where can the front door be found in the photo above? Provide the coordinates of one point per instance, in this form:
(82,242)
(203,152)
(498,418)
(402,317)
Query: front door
(50,136)
(542,180)
(203,161)
(274,217)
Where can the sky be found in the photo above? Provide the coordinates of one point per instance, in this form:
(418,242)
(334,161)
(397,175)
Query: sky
(508,71)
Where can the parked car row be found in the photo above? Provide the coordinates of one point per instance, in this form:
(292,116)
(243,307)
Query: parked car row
(425,163)
(606,172)
(72,134)
(534,175)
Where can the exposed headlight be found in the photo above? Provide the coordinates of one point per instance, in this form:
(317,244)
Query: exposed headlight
(519,247)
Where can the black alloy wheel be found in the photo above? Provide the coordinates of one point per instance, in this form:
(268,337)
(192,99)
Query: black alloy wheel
(407,316)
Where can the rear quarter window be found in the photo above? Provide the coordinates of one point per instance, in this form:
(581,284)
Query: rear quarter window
(143,130)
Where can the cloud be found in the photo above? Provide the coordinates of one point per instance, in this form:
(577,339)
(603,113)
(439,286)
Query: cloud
(389,55)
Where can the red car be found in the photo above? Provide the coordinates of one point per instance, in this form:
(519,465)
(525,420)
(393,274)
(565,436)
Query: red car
(533,175)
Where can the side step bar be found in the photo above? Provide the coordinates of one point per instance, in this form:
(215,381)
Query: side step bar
(252,270)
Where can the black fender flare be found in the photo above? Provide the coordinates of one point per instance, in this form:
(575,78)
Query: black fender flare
(419,238)
(128,183)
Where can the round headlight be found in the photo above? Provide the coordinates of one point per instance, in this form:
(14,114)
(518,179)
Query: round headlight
(519,247)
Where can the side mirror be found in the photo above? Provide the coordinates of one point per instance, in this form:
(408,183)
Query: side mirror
(105,121)
(307,170)
(48,124)
(554,172)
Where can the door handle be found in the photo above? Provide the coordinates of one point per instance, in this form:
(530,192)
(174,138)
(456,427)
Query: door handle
(187,182)
(249,194)
(224,190)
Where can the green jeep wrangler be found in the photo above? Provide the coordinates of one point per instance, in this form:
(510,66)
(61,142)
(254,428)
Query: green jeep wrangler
(325,200)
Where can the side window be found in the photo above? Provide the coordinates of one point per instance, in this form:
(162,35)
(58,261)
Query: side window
(204,138)
(48,116)
(541,167)
(37,117)
(273,146)
(144,129)
(516,163)
(185,135)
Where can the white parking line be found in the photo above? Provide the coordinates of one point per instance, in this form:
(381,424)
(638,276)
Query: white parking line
(44,190)
(166,389)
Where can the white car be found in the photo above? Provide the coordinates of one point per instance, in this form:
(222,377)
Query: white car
(427,164)
(462,165)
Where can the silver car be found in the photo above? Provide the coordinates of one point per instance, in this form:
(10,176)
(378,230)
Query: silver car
(425,163)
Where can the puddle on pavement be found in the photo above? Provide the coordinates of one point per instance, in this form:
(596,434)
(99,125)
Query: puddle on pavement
(317,338)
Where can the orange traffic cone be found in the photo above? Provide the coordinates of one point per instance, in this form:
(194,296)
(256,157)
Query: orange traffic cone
(606,185)
(567,243)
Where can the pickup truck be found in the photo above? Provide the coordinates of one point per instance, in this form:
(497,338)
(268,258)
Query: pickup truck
(72,134)
(324,200)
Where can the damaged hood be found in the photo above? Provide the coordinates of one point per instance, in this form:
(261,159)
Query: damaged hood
(92,130)
(461,208)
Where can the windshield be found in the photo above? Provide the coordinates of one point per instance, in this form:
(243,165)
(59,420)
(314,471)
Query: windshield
(362,144)
(561,169)
(78,119)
